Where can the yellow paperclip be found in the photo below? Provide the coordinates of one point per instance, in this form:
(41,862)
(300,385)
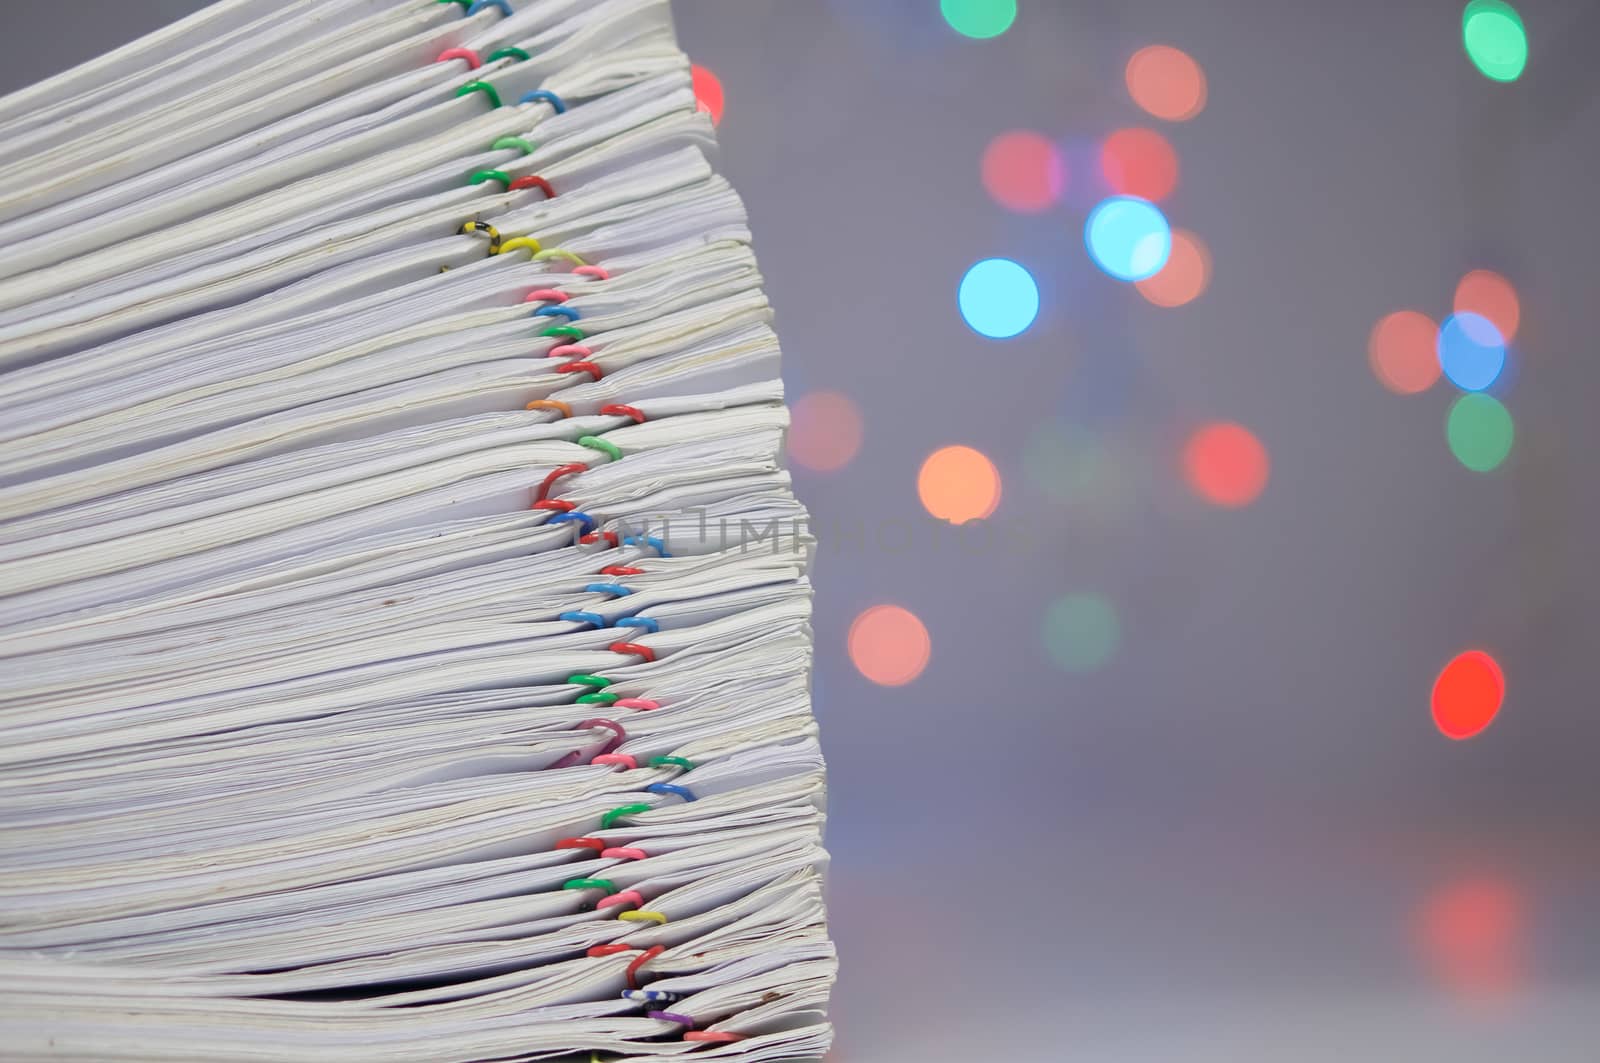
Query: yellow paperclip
(643,917)
(559,252)
(529,242)
(488,230)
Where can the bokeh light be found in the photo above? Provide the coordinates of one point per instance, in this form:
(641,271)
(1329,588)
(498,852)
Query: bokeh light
(1468,694)
(707,92)
(998,298)
(1489,295)
(1023,171)
(1081,631)
(980,19)
(959,484)
(1494,38)
(1070,464)
(1472,935)
(1186,274)
(1480,431)
(1403,353)
(824,431)
(1167,82)
(1139,162)
(1226,465)
(1128,238)
(1471,350)
(889,645)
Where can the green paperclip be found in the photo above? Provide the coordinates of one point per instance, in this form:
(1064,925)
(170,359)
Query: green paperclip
(602,444)
(610,818)
(483,87)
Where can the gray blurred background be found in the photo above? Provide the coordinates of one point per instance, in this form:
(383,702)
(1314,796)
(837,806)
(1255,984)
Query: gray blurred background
(1241,836)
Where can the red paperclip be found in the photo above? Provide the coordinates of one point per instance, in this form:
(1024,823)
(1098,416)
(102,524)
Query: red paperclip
(584,367)
(556,474)
(533,181)
(581,843)
(633,968)
(460,53)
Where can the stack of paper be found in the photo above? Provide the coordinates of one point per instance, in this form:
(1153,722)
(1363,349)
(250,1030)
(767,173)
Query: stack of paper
(404,641)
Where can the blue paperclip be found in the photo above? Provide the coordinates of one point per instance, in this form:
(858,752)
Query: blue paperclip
(572,515)
(546,96)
